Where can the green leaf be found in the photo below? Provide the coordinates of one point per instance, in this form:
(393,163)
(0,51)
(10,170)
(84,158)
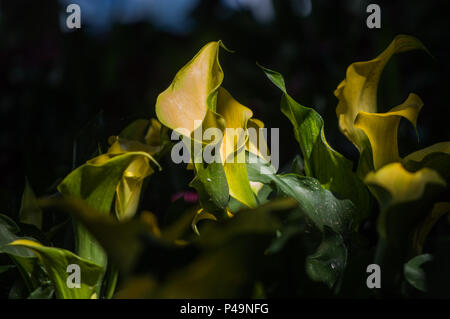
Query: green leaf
(30,213)
(414,274)
(119,239)
(315,202)
(332,216)
(56,261)
(321,161)
(211,184)
(24,259)
(42,292)
(328,263)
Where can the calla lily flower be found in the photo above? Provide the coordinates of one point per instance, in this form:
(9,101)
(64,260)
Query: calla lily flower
(196,97)
(357,110)
(395,182)
(358,91)
(128,190)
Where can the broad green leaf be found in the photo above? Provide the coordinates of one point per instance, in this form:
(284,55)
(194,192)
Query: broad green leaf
(29,211)
(212,187)
(414,274)
(192,92)
(56,261)
(436,157)
(381,129)
(358,91)
(315,202)
(119,239)
(24,259)
(328,263)
(42,292)
(321,161)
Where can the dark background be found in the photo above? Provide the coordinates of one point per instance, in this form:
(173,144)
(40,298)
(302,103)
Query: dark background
(59,88)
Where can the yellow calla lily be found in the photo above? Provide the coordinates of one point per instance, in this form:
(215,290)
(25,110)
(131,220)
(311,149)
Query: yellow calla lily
(381,129)
(393,185)
(129,188)
(196,96)
(402,185)
(358,91)
(233,145)
(192,92)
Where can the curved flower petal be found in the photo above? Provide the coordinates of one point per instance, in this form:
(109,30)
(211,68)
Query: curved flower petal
(232,151)
(192,92)
(401,186)
(257,144)
(381,129)
(419,156)
(128,190)
(236,117)
(358,92)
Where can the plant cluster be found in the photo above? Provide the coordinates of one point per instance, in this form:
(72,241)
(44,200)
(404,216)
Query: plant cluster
(255,232)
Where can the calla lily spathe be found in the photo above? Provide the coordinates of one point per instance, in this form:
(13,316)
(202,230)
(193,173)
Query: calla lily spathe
(128,189)
(196,96)
(365,127)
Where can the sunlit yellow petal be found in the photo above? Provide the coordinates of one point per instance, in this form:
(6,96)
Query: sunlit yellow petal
(257,144)
(129,188)
(200,215)
(192,91)
(402,185)
(236,117)
(239,184)
(358,92)
(381,129)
